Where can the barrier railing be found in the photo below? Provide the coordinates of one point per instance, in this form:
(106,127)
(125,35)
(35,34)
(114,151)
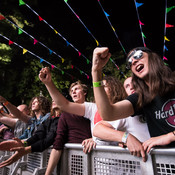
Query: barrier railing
(112,160)
(104,160)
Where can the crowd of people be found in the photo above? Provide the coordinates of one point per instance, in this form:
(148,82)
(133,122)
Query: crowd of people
(138,114)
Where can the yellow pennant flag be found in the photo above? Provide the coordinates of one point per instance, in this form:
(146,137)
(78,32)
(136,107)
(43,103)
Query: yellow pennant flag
(166,38)
(62,59)
(97,42)
(55,31)
(24,51)
(113,28)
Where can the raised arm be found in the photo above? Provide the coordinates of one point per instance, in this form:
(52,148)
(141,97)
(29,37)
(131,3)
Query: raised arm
(106,110)
(60,100)
(14,110)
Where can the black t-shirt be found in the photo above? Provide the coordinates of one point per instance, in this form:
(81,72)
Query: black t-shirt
(160,113)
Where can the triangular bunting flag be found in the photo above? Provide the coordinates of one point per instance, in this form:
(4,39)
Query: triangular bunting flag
(79,53)
(169,25)
(143,35)
(81,71)
(2,17)
(166,38)
(41,19)
(165,58)
(88,77)
(52,66)
(97,42)
(20,31)
(72,66)
(55,31)
(62,72)
(169,9)
(113,28)
(10,42)
(87,61)
(67,43)
(138,4)
(21,2)
(24,51)
(106,14)
(62,59)
(65,1)
(50,52)
(141,23)
(41,60)
(35,41)
(165,48)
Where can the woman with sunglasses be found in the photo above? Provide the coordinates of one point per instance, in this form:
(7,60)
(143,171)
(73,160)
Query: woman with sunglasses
(154,83)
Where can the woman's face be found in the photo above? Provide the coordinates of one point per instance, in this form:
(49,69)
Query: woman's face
(140,66)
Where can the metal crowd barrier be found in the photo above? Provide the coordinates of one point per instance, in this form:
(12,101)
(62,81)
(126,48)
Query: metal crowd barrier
(112,160)
(104,160)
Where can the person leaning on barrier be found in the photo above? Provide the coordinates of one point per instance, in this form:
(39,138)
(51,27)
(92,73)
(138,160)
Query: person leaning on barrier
(154,83)
(130,132)
(42,139)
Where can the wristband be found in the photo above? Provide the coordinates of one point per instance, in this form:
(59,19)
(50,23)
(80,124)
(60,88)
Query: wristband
(97,84)
(125,136)
(6,103)
(25,144)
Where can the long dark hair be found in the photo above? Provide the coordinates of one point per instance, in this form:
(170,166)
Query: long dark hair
(161,80)
(44,105)
(117,91)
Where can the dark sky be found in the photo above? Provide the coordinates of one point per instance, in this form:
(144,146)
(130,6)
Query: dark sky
(123,17)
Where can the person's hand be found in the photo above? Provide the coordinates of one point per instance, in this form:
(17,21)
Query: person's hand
(135,147)
(7,145)
(20,151)
(100,58)
(88,145)
(45,75)
(157,141)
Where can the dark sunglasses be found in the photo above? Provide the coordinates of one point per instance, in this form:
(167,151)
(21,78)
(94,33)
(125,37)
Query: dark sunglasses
(136,54)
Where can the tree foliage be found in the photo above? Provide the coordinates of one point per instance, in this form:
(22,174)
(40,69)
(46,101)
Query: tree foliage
(19,72)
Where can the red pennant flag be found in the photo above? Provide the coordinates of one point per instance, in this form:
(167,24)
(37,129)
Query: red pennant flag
(2,17)
(72,66)
(52,66)
(41,19)
(35,41)
(169,25)
(79,53)
(10,42)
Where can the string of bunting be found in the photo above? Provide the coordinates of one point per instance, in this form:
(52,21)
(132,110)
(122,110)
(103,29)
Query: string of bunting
(137,5)
(97,42)
(167,10)
(35,41)
(21,2)
(107,17)
(10,42)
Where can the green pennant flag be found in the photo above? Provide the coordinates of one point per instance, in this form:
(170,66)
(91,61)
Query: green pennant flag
(62,72)
(81,72)
(87,61)
(169,9)
(66,1)
(143,35)
(21,2)
(20,31)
